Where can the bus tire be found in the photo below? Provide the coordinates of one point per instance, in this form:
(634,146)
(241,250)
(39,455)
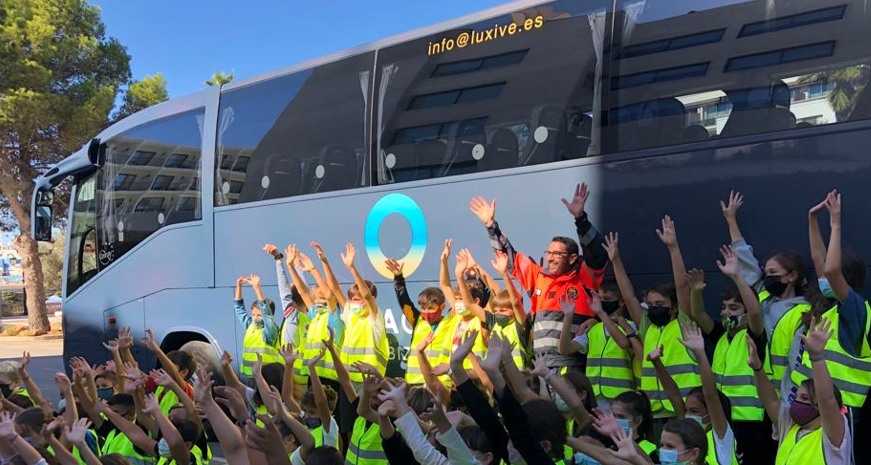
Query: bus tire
(206,356)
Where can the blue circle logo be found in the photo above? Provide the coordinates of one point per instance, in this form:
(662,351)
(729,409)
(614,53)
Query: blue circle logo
(403,205)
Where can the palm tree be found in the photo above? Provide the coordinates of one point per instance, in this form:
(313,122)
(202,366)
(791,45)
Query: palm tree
(849,83)
(219,77)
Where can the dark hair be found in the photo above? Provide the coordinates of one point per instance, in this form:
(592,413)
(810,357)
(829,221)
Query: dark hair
(273,374)
(419,399)
(325,455)
(731,292)
(691,434)
(591,431)
(308,399)
(699,394)
(354,291)
(581,383)
(548,423)
(188,430)
(21,400)
(184,361)
(639,405)
(812,391)
(853,268)
(667,290)
(457,402)
(477,292)
(268,301)
(571,245)
(284,430)
(430,296)
(296,297)
(476,439)
(33,418)
(109,375)
(125,400)
(609,284)
(113,459)
(792,261)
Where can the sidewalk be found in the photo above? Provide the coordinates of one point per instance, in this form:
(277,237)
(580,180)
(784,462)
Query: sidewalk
(54,320)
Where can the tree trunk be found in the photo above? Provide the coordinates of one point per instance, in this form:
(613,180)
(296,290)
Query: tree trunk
(28,250)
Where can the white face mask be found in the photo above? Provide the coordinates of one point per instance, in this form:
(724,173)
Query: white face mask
(163,448)
(355,308)
(460,308)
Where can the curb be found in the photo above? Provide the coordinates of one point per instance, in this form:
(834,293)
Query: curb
(49,337)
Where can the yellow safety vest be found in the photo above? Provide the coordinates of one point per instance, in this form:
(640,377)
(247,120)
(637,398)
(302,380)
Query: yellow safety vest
(850,374)
(318,331)
(478,348)
(677,360)
(735,377)
(780,341)
(433,352)
(117,443)
(365,445)
(300,371)
(647,446)
(609,367)
(360,346)
(252,345)
(195,451)
(509,331)
(807,451)
(711,459)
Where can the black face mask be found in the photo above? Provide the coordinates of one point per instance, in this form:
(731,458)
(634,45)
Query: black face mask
(6,389)
(610,306)
(774,285)
(659,315)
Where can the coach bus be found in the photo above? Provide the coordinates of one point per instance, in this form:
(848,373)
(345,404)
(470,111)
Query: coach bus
(661,106)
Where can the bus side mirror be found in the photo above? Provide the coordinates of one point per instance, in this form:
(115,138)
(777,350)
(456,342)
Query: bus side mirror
(44,216)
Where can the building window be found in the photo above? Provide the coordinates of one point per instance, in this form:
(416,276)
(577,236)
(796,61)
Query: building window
(659,75)
(788,22)
(123,182)
(161,183)
(469,66)
(141,158)
(675,43)
(149,204)
(440,99)
(776,57)
(175,160)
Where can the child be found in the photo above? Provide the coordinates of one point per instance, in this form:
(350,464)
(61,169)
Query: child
(179,365)
(365,338)
(261,334)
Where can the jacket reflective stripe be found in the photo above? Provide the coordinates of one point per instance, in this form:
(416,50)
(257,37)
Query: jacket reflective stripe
(546,329)
(367,454)
(364,447)
(672,370)
(609,362)
(677,360)
(360,345)
(609,367)
(735,378)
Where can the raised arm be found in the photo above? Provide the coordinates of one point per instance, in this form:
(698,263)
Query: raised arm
(229,375)
(748,297)
(76,433)
(815,238)
(668,236)
(290,356)
(459,271)
(300,432)
(730,213)
(348,260)
(292,255)
(522,392)
(371,386)
(227,432)
(830,411)
(270,330)
(332,282)
(764,388)
(410,310)
(832,266)
(445,275)
(89,386)
(164,361)
(672,391)
(125,343)
(500,264)
(164,379)
(589,238)
(32,388)
(611,245)
(318,390)
(114,351)
(341,370)
(563,389)
(430,379)
(694,342)
(134,433)
(65,386)
(177,448)
(696,281)
(26,452)
(595,304)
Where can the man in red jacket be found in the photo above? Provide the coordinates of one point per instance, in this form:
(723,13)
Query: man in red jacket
(563,277)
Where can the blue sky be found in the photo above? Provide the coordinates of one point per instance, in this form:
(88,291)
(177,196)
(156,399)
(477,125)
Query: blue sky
(188,40)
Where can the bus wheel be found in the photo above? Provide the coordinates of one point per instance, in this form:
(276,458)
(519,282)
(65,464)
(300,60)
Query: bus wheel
(206,357)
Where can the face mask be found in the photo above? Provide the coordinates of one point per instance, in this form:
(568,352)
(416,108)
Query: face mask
(802,413)
(105,393)
(431,317)
(698,419)
(356,308)
(61,404)
(669,456)
(625,426)
(826,288)
(774,285)
(311,422)
(6,389)
(731,321)
(659,315)
(610,306)
(584,459)
(257,320)
(163,448)
(321,308)
(461,309)
(561,404)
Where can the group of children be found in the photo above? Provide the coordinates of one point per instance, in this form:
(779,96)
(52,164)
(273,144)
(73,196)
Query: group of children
(590,374)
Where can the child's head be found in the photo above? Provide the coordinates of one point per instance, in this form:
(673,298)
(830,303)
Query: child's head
(320,297)
(105,380)
(697,408)
(325,455)
(273,374)
(733,313)
(356,297)
(186,363)
(683,441)
(419,399)
(9,377)
(661,301)
(296,297)
(632,410)
(287,437)
(29,423)
(21,400)
(188,430)
(311,417)
(432,304)
(805,407)
(477,293)
(583,388)
(609,294)
(501,304)
(123,405)
(478,443)
(548,424)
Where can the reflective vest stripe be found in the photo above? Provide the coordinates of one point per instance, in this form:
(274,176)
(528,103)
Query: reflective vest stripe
(609,367)
(364,448)
(252,345)
(712,458)
(807,451)
(546,329)
(780,341)
(360,345)
(509,331)
(609,362)
(318,330)
(433,352)
(677,360)
(735,377)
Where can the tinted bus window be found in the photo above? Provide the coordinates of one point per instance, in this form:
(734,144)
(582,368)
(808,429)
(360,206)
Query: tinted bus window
(515,90)
(691,70)
(301,133)
(150,179)
(82,249)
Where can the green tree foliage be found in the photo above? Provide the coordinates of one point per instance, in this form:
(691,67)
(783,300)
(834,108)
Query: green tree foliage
(59,76)
(51,256)
(219,78)
(140,95)
(849,83)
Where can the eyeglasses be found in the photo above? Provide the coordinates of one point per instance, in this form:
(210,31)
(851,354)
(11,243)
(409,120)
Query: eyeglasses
(556,253)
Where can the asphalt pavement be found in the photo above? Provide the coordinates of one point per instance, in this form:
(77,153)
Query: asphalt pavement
(45,360)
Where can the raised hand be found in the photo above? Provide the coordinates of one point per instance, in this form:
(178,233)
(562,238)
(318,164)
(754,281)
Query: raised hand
(62,381)
(421,347)
(76,432)
(226,359)
(272,400)
(271,250)
(494,354)
(241,280)
(656,354)
(291,254)
(148,339)
(585,326)
(162,378)
(485,211)
(7,426)
(692,337)
(595,304)
(539,367)
(396,394)
(579,200)
(441,369)
(812,213)
(125,340)
(605,423)
(371,383)
(500,262)
(612,246)
(730,210)
(435,413)
(394,266)
(317,358)
(319,250)
(446,251)
(625,447)
(112,345)
(366,369)
(386,409)
(349,255)
(25,361)
(470,260)
(568,307)
(461,266)
(254,280)
(151,405)
(203,386)
(258,365)
(833,205)
(729,266)
(817,337)
(328,343)
(753,360)
(667,234)
(696,279)
(49,429)
(462,351)
(305,264)
(233,400)
(288,354)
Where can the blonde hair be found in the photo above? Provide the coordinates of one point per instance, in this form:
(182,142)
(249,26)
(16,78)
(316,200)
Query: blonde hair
(9,371)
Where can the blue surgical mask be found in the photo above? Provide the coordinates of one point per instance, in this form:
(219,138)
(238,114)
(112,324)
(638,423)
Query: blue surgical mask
(163,448)
(669,457)
(624,424)
(321,308)
(105,393)
(584,459)
(698,419)
(560,403)
(826,288)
